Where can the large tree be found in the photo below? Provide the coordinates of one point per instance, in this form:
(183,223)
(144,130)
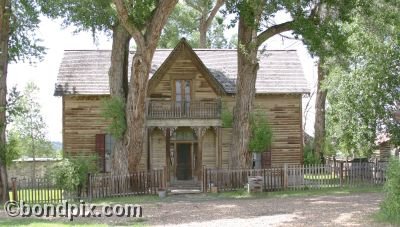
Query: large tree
(144,20)
(18,22)
(207,10)
(256,25)
(364,89)
(100,18)
(29,127)
(197,22)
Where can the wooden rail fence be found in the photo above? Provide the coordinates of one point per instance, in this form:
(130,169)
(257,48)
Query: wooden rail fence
(39,190)
(141,183)
(298,177)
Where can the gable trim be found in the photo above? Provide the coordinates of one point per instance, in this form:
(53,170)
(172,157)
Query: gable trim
(183,45)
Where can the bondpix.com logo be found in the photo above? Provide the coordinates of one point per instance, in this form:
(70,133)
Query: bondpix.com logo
(71,210)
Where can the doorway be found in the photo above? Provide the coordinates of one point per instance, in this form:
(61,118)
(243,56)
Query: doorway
(183,161)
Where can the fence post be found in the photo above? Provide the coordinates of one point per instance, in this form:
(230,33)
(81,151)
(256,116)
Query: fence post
(285,176)
(14,188)
(89,187)
(341,174)
(204,178)
(165,178)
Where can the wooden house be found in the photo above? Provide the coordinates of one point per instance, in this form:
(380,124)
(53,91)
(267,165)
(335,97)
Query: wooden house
(187,90)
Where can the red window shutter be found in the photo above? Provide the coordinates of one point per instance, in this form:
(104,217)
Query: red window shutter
(100,149)
(266,160)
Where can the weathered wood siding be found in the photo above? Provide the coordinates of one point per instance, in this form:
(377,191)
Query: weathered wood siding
(226,146)
(82,120)
(284,114)
(183,68)
(209,151)
(157,149)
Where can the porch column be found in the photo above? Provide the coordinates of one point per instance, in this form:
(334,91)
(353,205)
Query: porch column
(200,132)
(149,148)
(167,133)
(218,147)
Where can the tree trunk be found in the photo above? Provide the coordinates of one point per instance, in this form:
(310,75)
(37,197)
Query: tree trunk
(5,12)
(136,105)
(245,91)
(118,80)
(319,126)
(203,30)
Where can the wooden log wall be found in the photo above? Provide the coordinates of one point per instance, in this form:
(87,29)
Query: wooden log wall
(284,115)
(209,152)
(82,120)
(157,149)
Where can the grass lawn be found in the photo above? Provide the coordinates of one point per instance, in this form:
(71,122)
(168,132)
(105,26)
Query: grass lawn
(310,192)
(38,195)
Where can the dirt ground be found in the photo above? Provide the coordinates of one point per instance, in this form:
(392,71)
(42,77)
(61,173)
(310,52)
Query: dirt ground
(202,210)
(331,210)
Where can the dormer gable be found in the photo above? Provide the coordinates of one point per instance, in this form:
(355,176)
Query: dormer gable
(184,65)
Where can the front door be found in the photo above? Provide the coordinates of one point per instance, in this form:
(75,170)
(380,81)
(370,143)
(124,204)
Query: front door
(184,161)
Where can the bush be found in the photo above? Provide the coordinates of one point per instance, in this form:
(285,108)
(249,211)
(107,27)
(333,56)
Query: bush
(261,133)
(309,156)
(390,207)
(226,117)
(71,173)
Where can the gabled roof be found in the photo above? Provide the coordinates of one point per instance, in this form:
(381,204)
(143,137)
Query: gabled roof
(181,47)
(85,72)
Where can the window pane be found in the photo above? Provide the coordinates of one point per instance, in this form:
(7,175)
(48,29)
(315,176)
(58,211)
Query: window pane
(187,90)
(178,91)
(108,152)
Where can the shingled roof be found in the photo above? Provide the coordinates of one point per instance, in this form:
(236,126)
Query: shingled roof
(85,72)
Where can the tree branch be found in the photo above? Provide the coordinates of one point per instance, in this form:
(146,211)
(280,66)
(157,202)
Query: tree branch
(158,21)
(214,12)
(194,6)
(123,17)
(273,30)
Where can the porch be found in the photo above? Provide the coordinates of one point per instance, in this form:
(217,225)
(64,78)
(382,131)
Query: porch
(166,109)
(183,151)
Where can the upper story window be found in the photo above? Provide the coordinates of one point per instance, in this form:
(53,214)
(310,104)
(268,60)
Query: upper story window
(182,91)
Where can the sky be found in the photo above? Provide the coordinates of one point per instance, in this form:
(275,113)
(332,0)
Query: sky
(57,39)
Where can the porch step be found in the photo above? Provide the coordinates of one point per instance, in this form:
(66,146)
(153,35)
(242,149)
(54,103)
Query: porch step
(185,186)
(184,191)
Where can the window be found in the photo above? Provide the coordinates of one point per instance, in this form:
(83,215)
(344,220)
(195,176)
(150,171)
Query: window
(104,147)
(182,93)
(109,144)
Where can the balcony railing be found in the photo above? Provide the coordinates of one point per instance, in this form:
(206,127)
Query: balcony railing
(186,110)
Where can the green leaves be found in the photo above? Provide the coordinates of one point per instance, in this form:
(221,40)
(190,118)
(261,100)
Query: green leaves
(390,207)
(364,87)
(23,44)
(71,173)
(114,111)
(28,127)
(261,133)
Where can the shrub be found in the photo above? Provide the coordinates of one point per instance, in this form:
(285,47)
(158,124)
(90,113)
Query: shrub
(71,173)
(226,117)
(309,156)
(390,207)
(261,133)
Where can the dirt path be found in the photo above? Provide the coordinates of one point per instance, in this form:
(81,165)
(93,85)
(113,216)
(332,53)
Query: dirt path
(202,210)
(337,210)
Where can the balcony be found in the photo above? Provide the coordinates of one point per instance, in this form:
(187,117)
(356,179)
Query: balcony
(157,109)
